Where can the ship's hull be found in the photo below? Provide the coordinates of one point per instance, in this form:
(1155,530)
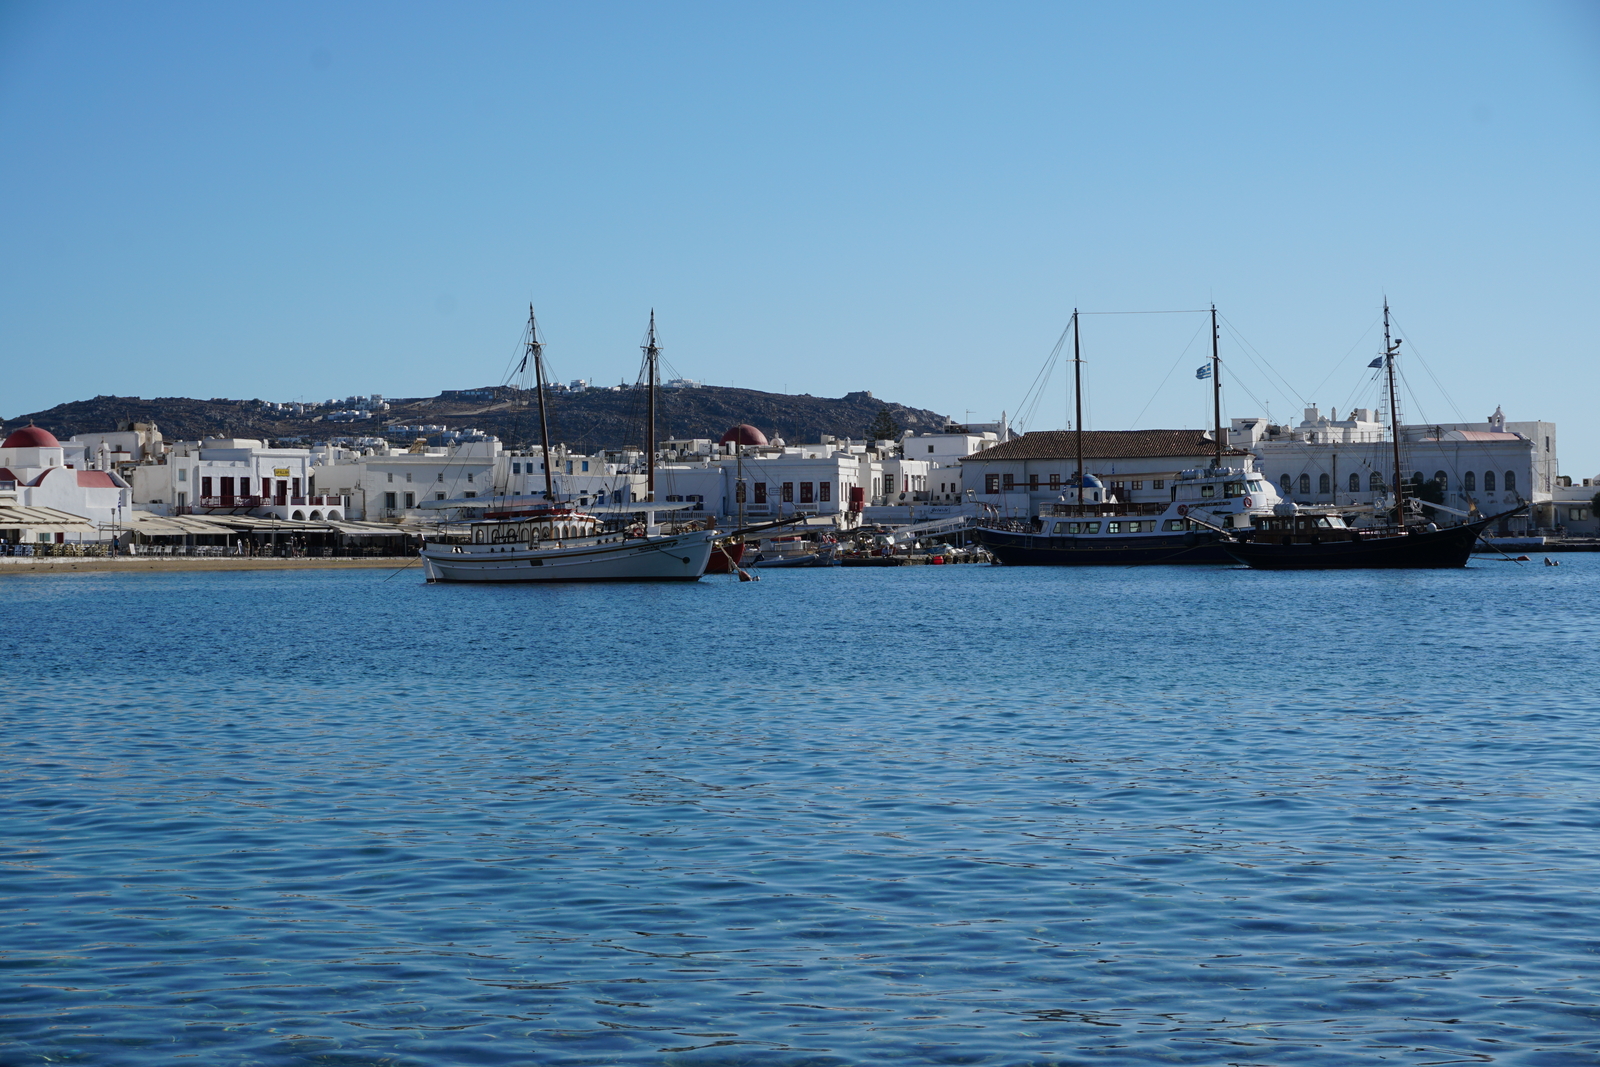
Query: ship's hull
(1030,549)
(725,557)
(1430,550)
(679,557)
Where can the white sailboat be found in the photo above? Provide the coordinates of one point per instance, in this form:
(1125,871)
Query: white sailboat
(555,542)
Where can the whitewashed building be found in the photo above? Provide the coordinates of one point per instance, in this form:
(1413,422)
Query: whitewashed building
(234,475)
(35,473)
(120,450)
(1490,466)
(1576,507)
(611,478)
(384,485)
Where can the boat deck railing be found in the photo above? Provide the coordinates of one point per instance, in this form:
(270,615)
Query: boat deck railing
(1110,509)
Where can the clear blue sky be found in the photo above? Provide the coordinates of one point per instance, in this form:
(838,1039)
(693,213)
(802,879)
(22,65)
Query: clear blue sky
(311,200)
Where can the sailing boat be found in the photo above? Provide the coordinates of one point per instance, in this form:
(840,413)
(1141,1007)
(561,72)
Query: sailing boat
(1317,539)
(1089,527)
(555,542)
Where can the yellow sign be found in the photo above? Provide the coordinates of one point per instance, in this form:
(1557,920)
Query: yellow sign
(280,472)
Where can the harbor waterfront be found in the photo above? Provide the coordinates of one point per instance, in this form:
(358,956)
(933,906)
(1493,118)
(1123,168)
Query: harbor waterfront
(974,815)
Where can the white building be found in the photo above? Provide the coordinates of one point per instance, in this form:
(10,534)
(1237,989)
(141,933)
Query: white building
(35,474)
(913,479)
(234,475)
(389,486)
(613,478)
(1576,512)
(928,474)
(122,449)
(1490,466)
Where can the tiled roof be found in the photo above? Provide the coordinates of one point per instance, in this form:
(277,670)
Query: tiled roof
(1103,444)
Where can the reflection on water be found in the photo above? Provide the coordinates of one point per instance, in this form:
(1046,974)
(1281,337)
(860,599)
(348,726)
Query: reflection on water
(936,815)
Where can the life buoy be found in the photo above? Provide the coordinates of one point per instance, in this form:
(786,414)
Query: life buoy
(1183,509)
(1247,502)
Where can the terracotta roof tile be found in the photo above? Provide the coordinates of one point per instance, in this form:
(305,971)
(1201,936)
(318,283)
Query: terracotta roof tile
(1103,444)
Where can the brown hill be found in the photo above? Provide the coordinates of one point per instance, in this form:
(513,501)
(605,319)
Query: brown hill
(590,420)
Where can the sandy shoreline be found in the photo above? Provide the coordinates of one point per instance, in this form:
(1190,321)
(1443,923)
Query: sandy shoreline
(91,564)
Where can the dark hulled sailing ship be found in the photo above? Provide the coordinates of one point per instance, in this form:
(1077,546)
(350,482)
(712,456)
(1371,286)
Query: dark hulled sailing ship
(1291,539)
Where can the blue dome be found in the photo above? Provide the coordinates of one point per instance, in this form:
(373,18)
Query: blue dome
(1089,482)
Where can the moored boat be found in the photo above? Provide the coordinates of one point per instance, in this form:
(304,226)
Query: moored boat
(1089,526)
(1319,539)
(1100,531)
(558,543)
(795,552)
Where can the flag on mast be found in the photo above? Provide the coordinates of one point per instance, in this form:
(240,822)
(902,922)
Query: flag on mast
(1203,372)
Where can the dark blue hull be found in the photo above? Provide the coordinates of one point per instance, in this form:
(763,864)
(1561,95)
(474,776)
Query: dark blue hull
(1031,550)
(1450,547)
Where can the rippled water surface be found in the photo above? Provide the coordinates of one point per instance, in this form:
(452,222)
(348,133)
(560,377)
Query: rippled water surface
(965,815)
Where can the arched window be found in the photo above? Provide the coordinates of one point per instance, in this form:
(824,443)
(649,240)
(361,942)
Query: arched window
(1375,482)
(1442,479)
(1416,477)
(1488,481)
(1511,481)
(1305,483)
(1324,485)
(1355,483)
(1283,484)
(1469,482)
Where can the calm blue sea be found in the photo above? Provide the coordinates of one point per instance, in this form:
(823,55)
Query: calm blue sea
(941,815)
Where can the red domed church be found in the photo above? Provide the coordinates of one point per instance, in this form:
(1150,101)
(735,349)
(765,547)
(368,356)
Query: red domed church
(38,485)
(744,434)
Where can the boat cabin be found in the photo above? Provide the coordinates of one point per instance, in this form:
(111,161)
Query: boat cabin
(529,528)
(1300,529)
(535,529)
(1207,487)
(1062,528)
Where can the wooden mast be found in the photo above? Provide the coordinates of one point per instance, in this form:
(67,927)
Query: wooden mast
(536,350)
(1216,391)
(652,353)
(1389,351)
(739,491)
(1077,397)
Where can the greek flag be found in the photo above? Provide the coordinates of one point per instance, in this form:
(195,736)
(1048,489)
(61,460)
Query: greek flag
(1203,372)
(1377,362)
